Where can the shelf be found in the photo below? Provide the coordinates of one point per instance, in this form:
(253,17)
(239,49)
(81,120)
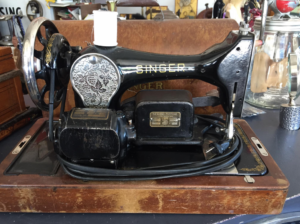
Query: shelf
(85,9)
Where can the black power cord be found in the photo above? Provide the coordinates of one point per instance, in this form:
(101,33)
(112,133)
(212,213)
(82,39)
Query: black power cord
(230,155)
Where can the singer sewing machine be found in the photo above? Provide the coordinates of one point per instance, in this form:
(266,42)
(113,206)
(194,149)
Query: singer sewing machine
(155,135)
(101,131)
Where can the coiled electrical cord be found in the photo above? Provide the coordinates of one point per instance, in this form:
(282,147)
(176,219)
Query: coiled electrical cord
(153,173)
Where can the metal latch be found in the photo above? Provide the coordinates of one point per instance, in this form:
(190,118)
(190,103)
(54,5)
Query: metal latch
(259,146)
(249,179)
(21,145)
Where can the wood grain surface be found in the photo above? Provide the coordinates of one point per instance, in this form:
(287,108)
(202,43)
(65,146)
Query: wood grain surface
(188,195)
(7,62)
(137,3)
(5,51)
(14,127)
(11,99)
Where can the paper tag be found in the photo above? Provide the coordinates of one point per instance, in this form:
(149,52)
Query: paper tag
(269,46)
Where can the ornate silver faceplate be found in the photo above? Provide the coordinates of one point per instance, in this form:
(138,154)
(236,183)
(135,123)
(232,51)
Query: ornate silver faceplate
(96,79)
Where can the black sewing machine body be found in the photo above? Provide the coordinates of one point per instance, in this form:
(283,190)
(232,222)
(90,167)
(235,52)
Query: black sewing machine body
(102,131)
(222,65)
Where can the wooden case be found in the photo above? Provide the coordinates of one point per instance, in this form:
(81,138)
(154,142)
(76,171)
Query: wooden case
(190,195)
(11,100)
(6,60)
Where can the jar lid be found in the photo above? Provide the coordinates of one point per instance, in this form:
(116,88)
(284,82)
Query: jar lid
(282,25)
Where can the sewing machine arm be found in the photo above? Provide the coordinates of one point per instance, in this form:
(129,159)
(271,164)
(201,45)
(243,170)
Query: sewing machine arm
(225,65)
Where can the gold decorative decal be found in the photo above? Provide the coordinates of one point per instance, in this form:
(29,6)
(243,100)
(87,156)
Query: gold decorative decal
(139,69)
(150,85)
(48,55)
(162,68)
(260,167)
(171,66)
(90,113)
(181,67)
(165,119)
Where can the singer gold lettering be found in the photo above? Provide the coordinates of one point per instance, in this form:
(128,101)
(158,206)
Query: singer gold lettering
(162,68)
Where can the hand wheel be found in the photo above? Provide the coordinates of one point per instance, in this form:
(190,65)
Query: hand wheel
(54,63)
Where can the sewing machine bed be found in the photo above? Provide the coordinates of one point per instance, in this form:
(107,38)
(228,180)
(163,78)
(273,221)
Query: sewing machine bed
(32,180)
(38,157)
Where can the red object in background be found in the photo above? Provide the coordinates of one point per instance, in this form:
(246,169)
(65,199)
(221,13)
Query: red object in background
(285,6)
(255,13)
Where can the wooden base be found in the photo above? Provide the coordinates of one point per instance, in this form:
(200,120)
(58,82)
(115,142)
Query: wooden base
(11,100)
(7,62)
(190,195)
(14,127)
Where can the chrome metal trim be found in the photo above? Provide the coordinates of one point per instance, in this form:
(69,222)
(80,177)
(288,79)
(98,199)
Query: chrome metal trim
(280,25)
(263,20)
(289,117)
(294,79)
(230,125)
(21,145)
(28,60)
(259,146)
(103,97)
(249,179)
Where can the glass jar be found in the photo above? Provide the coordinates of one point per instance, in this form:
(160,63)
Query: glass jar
(268,84)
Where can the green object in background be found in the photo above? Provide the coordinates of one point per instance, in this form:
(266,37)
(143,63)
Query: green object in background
(296,11)
(111,5)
